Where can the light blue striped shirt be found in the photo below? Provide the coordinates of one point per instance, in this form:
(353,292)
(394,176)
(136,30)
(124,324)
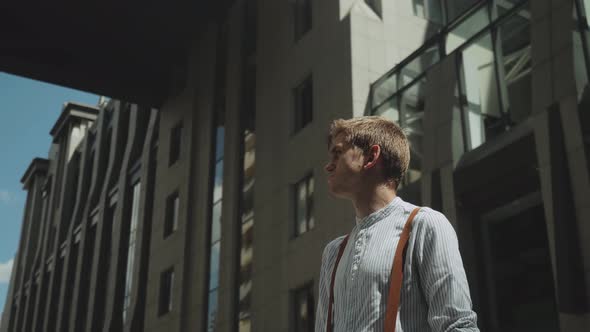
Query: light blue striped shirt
(435,294)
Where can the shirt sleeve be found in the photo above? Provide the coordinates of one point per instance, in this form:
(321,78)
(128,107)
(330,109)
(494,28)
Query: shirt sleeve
(328,259)
(442,275)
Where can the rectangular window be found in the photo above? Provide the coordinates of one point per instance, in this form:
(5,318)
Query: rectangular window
(303,312)
(479,92)
(303,95)
(135,191)
(467,29)
(171,221)
(165,298)
(301,17)
(175,144)
(304,220)
(455,8)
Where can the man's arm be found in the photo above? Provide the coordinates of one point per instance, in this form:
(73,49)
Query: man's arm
(442,275)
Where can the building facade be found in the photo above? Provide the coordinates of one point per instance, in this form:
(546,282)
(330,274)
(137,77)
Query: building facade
(211,212)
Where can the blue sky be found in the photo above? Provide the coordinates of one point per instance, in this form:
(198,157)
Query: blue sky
(28,110)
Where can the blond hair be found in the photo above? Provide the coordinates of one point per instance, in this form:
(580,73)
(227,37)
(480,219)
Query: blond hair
(364,132)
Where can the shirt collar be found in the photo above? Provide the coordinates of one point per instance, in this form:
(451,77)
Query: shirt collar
(379,214)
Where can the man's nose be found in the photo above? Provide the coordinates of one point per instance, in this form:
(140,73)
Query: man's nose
(329,167)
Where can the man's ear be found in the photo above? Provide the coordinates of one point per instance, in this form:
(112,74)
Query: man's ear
(372,156)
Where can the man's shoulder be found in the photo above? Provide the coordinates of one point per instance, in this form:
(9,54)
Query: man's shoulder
(332,247)
(432,221)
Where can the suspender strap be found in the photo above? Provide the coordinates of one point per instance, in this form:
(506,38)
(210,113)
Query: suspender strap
(395,278)
(331,300)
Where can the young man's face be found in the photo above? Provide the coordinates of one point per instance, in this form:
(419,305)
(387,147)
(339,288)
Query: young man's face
(344,168)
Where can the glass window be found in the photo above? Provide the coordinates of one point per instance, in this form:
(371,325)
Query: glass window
(171,221)
(303,95)
(212,315)
(413,107)
(175,144)
(165,298)
(418,65)
(384,88)
(301,17)
(389,109)
(479,93)
(467,29)
(304,220)
(514,59)
(303,310)
(428,9)
(135,192)
(457,7)
(215,223)
(581,38)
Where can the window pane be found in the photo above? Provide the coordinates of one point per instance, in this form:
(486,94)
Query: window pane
(580,61)
(457,7)
(219,142)
(467,29)
(419,64)
(165,298)
(428,9)
(385,88)
(301,208)
(218,186)
(303,310)
(389,110)
(212,311)
(310,189)
(175,212)
(303,95)
(214,268)
(175,144)
(413,107)
(479,97)
(216,222)
(515,64)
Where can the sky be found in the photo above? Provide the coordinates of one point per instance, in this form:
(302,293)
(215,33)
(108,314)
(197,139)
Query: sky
(28,110)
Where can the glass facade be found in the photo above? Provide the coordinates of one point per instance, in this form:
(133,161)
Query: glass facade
(165,296)
(171,221)
(581,47)
(303,103)
(304,220)
(491,42)
(303,309)
(215,222)
(129,272)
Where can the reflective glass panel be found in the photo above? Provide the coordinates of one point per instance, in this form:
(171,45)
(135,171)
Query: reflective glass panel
(580,61)
(514,57)
(428,9)
(216,222)
(413,107)
(467,29)
(385,88)
(301,208)
(214,267)
(211,318)
(389,110)
(479,95)
(310,188)
(303,310)
(218,189)
(457,7)
(415,67)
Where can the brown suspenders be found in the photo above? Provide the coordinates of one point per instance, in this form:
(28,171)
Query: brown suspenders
(395,278)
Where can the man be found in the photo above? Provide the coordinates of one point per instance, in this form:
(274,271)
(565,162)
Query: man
(368,158)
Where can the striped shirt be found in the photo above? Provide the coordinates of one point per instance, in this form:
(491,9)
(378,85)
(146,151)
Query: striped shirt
(434,295)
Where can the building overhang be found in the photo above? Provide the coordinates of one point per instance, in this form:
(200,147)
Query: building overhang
(123,50)
(37,166)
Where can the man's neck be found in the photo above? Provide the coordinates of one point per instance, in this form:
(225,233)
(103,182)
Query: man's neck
(373,200)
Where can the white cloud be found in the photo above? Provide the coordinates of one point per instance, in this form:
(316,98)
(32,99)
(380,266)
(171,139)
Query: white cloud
(5,269)
(6,196)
